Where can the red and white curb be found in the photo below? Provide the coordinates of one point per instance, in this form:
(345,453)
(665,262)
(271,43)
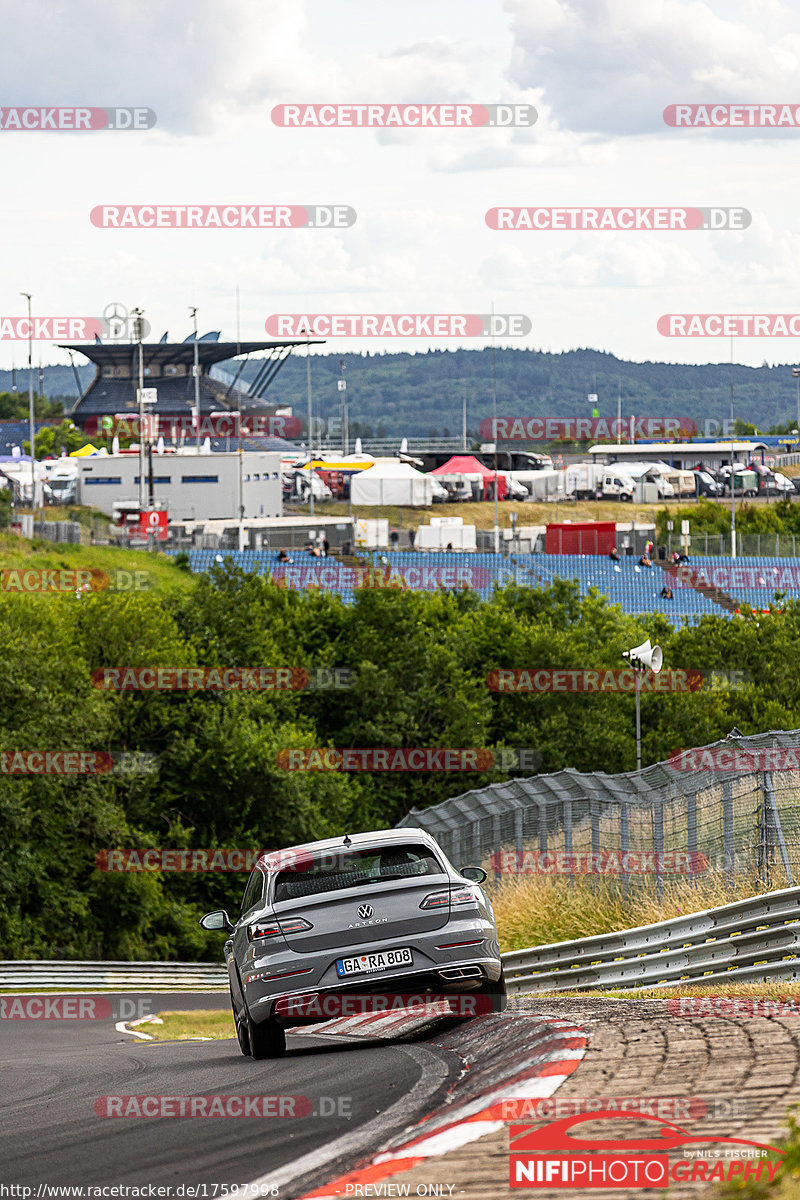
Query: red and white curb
(532,1075)
(399,1022)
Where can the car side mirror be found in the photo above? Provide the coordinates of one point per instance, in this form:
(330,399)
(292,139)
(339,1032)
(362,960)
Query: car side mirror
(476,874)
(218,919)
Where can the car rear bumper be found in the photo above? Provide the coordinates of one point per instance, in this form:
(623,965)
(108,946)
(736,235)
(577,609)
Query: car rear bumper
(310,1006)
(270,991)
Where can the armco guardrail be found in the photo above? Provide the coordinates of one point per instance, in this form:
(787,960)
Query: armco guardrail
(746,941)
(741,942)
(131,976)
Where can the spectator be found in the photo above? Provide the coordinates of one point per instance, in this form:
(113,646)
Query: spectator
(666,592)
(662,553)
(614,556)
(449,546)
(326,547)
(394,538)
(644,561)
(313,550)
(411,538)
(682,557)
(648,549)
(676,558)
(283,556)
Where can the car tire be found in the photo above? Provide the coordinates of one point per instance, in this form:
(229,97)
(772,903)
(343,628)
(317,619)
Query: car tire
(497,991)
(242,1031)
(267,1040)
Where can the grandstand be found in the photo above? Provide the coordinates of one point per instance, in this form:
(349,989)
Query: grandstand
(636,589)
(168,368)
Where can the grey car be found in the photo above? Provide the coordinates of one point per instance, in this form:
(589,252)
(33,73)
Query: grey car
(351,924)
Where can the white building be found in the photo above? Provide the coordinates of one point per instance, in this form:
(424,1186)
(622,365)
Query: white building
(193,486)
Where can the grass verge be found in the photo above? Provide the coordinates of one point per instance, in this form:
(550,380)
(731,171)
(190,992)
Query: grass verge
(162,574)
(197,1022)
(768,990)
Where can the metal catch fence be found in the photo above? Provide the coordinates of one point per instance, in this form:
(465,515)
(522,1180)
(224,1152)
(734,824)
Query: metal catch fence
(730,809)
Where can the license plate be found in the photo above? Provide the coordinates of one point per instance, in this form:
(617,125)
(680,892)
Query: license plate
(367,963)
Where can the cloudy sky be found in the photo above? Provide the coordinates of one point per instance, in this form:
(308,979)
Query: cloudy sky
(599,72)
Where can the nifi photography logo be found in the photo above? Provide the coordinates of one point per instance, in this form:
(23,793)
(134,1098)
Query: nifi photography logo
(553,1157)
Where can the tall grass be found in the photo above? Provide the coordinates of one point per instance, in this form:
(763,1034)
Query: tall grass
(534,910)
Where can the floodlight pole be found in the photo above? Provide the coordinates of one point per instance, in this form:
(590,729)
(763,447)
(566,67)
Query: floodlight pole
(310,438)
(733,478)
(139,328)
(30,402)
(494,428)
(196,371)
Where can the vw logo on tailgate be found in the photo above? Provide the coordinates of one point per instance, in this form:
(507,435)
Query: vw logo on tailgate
(365,911)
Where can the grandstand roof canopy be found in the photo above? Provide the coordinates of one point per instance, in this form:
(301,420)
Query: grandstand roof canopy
(161,354)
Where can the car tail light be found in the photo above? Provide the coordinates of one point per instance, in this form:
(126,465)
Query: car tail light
(272,929)
(448,898)
(295,925)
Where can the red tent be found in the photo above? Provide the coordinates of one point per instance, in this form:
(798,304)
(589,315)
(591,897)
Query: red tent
(465,464)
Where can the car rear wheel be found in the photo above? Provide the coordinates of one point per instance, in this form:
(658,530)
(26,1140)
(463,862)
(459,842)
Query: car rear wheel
(267,1040)
(242,1034)
(496,991)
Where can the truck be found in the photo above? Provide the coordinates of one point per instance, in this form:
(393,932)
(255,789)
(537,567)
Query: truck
(595,481)
(583,480)
(616,484)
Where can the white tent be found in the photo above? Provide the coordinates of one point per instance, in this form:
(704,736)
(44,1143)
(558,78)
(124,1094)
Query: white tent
(392,482)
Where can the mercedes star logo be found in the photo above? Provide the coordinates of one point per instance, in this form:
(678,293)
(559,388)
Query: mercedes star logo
(115,312)
(365,911)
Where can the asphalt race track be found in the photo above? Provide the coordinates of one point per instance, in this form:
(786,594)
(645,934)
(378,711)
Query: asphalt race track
(53,1071)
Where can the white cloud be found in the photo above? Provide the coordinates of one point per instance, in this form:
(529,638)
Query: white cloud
(612,66)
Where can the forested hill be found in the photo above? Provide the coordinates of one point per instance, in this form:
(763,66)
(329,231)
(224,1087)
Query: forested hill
(419,395)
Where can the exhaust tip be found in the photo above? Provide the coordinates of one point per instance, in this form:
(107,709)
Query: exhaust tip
(461,973)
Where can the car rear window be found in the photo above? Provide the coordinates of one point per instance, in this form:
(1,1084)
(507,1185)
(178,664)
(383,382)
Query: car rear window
(337,870)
